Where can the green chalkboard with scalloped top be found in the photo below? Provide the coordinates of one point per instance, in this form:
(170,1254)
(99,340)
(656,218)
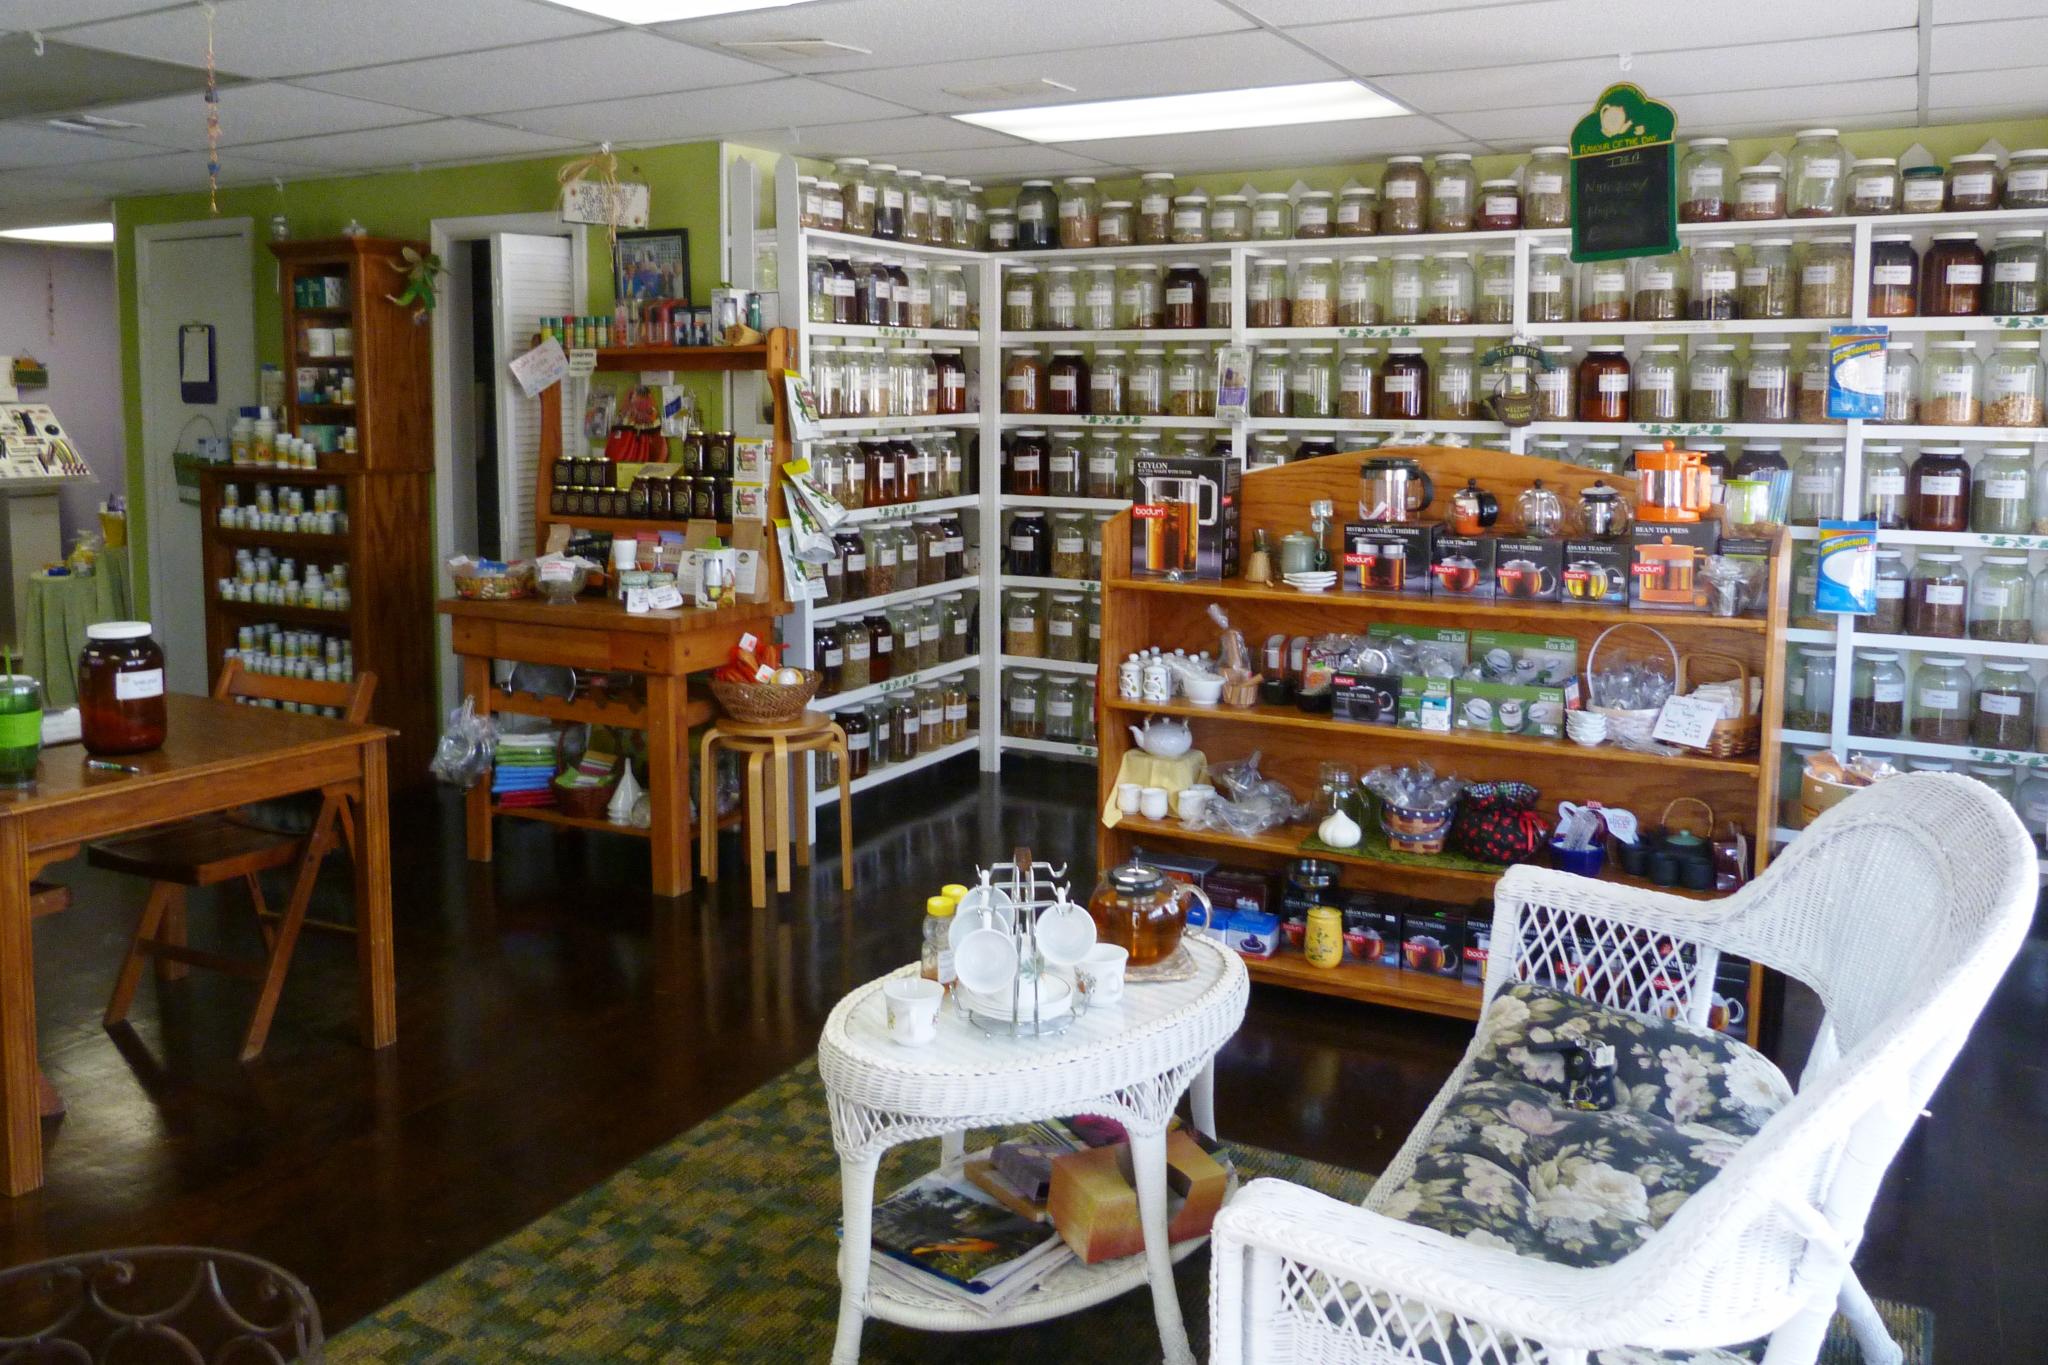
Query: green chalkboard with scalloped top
(1624,178)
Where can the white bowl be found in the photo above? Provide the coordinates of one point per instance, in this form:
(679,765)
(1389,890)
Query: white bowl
(1203,691)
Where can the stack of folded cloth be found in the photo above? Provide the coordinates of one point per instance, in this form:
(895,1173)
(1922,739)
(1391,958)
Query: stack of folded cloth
(523,770)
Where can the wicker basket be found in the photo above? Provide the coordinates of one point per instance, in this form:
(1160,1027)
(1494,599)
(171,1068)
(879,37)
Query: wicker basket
(1731,738)
(766,703)
(586,802)
(1622,724)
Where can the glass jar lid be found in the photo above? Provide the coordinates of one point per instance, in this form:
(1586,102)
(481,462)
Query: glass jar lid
(118,630)
(1955,236)
(1762,169)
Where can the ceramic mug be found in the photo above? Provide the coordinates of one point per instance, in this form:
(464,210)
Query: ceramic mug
(1152,803)
(1100,975)
(1127,797)
(912,1006)
(1192,801)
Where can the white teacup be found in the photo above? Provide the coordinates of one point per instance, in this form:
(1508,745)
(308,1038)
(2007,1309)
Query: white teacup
(1152,803)
(1100,975)
(912,1006)
(1194,800)
(1127,794)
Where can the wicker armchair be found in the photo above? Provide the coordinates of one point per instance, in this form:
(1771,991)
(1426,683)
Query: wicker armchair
(1901,908)
(179,1305)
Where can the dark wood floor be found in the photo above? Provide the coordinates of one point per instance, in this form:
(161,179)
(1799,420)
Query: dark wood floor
(555,1022)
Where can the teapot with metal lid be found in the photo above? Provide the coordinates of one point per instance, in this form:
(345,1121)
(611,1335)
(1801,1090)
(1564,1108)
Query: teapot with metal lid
(1603,511)
(1140,909)
(1393,488)
(1539,511)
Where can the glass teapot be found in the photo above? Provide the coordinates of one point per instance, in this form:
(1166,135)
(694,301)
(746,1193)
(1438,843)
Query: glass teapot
(1603,511)
(1136,907)
(1473,510)
(1539,511)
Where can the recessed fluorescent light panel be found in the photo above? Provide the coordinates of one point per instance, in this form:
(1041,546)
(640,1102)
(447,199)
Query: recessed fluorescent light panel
(668,11)
(1271,106)
(89,234)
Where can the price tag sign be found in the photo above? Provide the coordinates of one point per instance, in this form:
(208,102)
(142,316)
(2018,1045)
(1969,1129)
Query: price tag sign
(636,601)
(664,599)
(582,362)
(1688,721)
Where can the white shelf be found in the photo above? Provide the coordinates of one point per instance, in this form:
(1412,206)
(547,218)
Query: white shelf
(1051,665)
(861,694)
(1806,635)
(1935,644)
(1012,420)
(1882,432)
(1011,502)
(2002,322)
(1136,335)
(1017,580)
(958,502)
(828,792)
(860,332)
(1956,540)
(864,605)
(1390,331)
(1686,431)
(844,426)
(1683,327)
(1475,425)
(877,244)
(1143,251)
(1058,748)
(1825,227)
(1915,748)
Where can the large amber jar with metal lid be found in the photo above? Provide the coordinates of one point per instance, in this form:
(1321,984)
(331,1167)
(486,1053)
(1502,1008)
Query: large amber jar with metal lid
(1137,908)
(121,689)
(1604,385)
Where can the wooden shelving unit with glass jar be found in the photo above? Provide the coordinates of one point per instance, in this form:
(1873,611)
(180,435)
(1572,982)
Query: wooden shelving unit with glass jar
(383,483)
(1140,613)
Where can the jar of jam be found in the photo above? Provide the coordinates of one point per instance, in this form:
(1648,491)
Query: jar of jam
(1937,596)
(1952,276)
(1938,493)
(1404,383)
(1604,385)
(1404,197)
(1024,464)
(1186,296)
(1500,207)
(121,689)
(1706,177)
(1028,551)
(1759,193)
(1973,183)
(1894,276)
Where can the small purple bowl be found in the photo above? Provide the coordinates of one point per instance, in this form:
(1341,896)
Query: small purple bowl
(1583,862)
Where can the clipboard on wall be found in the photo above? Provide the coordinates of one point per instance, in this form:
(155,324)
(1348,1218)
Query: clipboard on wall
(198,383)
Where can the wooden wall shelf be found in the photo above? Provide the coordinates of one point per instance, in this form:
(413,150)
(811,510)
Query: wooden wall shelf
(1140,613)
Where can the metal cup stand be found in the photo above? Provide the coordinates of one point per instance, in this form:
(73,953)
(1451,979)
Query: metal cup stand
(1031,886)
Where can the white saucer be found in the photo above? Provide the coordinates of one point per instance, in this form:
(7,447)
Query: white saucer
(1055,999)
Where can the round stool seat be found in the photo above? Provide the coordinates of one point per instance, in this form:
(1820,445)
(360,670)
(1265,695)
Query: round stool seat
(809,722)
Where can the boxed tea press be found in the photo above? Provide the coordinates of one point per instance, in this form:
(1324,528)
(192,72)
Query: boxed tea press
(1462,566)
(1185,519)
(1666,565)
(1528,568)
(1388,556)
(1508,708)
(1596,571)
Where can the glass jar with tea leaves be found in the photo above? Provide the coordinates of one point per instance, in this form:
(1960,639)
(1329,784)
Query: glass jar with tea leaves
(1901,382)
(1877,694)
(2002,707)
(1890,584)
(1810,690)
(2001,600)
(1770,282)
(1706,177)
(1546,188)
(1358,291)
(1884,486)
(1941,700)
(1937,596)
(1656,394)
(1817,485)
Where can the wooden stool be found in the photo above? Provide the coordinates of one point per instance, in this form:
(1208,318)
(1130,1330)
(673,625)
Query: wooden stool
(816,732)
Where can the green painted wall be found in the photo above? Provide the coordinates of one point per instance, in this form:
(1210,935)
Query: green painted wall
(683,180)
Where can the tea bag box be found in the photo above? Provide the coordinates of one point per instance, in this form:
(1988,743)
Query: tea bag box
(1185,521)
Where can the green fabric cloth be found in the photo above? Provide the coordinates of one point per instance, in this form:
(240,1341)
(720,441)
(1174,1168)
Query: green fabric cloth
(59,610)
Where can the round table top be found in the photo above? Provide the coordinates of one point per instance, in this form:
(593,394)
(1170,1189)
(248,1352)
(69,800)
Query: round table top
(1154,1028)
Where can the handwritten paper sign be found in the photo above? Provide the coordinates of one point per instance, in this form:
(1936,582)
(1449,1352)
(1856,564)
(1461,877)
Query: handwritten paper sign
(545,364)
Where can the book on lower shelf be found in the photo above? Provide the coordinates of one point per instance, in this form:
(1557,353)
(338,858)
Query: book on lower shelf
(942,1235)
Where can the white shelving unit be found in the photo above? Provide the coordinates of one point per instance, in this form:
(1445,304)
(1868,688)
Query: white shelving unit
(988,344)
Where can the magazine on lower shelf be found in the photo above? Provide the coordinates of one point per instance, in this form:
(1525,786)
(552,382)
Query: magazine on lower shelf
(942,1235)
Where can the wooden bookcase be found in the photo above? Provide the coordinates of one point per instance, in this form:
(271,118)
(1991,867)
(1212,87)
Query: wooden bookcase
(386,486)
(1138,613)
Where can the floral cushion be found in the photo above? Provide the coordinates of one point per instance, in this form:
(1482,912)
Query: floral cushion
(1510,1166)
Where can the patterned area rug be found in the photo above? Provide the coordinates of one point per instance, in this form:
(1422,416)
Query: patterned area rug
(719,1249)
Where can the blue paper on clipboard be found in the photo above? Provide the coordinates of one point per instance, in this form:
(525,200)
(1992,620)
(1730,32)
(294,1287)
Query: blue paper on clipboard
(1846,580)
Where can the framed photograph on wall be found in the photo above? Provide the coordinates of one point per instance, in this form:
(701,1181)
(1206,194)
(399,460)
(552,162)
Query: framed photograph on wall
(652,264)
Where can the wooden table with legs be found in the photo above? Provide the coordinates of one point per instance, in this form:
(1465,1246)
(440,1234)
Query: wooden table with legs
(216,756)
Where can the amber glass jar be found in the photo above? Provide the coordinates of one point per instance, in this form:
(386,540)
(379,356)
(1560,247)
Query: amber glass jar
(854,721)
(1603,385)
(1023,382)
(1187,296)
(1894,276)
(120,689)
(1066,384)
(1952,276)
(1938,490)
(1404,384)
(1024,468)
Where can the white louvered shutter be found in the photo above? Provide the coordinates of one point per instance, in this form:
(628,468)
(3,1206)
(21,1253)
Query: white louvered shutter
(531,278)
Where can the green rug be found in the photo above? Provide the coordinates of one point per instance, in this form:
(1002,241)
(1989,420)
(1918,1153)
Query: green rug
(719,1249)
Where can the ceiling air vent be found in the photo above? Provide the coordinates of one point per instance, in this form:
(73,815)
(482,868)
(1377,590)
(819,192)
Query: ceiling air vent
(799,47)
(1008,90)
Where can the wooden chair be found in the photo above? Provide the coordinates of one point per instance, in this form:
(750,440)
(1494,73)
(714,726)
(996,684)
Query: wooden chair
(218,848)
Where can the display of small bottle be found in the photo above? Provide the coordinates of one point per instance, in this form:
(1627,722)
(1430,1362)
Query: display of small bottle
(121,689)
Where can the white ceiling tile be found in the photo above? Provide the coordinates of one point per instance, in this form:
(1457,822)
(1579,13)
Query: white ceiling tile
(51,15)
(1972,11)
(1858,56)
(910,32)
(1561,30)
(2029,108)
(263,111)
(1989,47)
(622,63)
(892,138)
(184,171)
(1262,148)
(25,142)
(288,37)
(1782,109)
(1175,66)
(998,163)
(2019,85)
(705,113)
(1290,12)
(439,141)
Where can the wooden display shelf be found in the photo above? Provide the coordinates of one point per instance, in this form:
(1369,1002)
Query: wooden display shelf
(553,815)
(336,545)
(696,358)
(283,473)
(337,619)
(1533,749)
(1547,615)
(621,526)
(580,711)
(1373,984)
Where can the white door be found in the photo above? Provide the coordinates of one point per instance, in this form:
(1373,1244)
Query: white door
(532,277)
(187,273)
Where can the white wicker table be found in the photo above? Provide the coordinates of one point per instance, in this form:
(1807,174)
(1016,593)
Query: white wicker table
(1130,1061)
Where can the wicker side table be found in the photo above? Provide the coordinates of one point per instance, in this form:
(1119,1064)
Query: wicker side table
(1130,1061)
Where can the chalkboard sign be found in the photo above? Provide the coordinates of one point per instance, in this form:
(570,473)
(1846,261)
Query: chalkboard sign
(1624,178)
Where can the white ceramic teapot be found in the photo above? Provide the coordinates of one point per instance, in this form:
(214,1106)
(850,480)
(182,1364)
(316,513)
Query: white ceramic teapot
(1163,738)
